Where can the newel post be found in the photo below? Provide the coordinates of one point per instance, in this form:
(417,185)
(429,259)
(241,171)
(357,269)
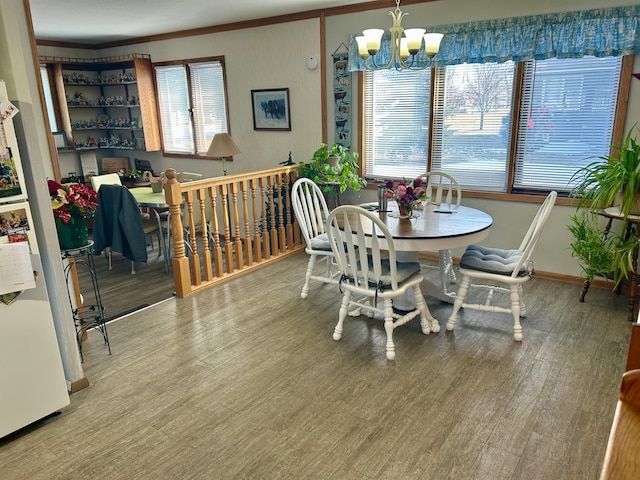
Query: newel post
(180,263)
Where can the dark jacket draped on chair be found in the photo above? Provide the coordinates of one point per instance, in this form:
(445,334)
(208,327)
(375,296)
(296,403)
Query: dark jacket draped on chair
(117,224)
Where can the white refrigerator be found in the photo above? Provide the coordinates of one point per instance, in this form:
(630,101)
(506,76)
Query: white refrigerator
(32,382)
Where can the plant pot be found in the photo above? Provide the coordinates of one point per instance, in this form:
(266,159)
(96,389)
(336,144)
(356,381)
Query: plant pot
(333,160)
(635,206)
(73,234)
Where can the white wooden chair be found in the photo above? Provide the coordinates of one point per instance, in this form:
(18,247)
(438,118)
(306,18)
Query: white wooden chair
(310,208)
(106,179)
(441,189)
(507,267)
(369,269)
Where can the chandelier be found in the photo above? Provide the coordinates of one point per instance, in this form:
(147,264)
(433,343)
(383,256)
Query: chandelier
(402,47)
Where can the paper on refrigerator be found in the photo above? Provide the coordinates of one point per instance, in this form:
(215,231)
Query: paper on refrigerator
(16,271)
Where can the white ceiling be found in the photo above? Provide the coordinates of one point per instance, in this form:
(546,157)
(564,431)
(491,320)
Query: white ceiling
(103,21)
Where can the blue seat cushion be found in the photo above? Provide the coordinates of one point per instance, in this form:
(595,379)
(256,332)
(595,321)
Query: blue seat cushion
(491,260)
(404,271)
(321,242)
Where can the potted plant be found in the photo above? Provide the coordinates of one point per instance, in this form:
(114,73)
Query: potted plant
(129,176)
(610,180)
(333,179)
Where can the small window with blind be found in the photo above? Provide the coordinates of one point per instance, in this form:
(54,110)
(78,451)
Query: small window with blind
(192,104)
(566,111)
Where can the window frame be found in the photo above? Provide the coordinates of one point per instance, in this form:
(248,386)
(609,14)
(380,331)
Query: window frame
(511,193)
(186,64)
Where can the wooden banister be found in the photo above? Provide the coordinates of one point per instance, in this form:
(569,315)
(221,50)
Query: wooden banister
(232,224)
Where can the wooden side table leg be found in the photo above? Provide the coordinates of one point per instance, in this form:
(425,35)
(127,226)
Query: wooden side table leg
(585,289)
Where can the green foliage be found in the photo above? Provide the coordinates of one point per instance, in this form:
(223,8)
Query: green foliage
(599,185)
(600,182)
(345,174)
(590,246)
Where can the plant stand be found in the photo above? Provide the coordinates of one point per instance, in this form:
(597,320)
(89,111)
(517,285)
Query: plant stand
(633,228)
(87,313)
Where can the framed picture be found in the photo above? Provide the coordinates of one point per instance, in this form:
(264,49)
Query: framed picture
(271,109)
(15,223)
(60,139)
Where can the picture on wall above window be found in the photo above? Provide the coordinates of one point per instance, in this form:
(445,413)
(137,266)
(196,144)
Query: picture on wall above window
(271,109)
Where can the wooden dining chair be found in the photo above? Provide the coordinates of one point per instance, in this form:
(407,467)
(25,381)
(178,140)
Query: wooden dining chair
(505,267)
(370,270)
(311,211)
(443,190)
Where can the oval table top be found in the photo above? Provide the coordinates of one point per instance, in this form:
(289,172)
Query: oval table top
(437,227)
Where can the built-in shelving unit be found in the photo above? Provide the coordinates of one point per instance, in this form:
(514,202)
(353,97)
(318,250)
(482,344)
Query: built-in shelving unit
(107,103)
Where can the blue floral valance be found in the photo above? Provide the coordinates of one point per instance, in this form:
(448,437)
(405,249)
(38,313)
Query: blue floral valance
(601,33)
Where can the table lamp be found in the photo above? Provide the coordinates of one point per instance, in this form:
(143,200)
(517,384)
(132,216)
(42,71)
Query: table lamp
(222,146)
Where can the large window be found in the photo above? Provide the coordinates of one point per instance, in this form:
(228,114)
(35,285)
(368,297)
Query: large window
(561,118)
(192,103)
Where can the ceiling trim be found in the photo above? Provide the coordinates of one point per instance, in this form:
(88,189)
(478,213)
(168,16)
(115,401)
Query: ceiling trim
(261,22)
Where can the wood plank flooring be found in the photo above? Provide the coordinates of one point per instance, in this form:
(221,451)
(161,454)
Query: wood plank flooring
(244,381)
(123,292)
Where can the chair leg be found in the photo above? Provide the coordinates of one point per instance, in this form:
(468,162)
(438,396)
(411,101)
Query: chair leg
(515,311)
(388,327)
(307,279)
(344,309)
(427,322)
(109,259)
(523,309)
(133,267)
(457,304)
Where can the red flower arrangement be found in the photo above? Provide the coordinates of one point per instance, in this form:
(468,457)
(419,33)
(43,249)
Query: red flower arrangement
(71,200)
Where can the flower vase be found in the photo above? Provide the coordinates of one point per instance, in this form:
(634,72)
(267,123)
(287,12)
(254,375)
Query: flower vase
(74,233)
(405,209)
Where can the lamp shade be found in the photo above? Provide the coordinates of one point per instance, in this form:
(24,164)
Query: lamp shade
(222,146)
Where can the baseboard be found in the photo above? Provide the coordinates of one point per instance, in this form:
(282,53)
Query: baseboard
(79,385)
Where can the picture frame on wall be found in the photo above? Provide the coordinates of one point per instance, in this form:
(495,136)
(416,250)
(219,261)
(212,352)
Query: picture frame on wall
(60,139)
(271,109)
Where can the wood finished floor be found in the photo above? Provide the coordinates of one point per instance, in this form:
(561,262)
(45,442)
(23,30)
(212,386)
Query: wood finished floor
(122,292)
(244,381)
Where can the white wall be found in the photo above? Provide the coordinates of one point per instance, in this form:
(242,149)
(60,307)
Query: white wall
(274,57)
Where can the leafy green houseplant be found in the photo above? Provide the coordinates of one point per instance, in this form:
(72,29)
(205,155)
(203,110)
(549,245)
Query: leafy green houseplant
(611,177)
(610,180)
(344,175)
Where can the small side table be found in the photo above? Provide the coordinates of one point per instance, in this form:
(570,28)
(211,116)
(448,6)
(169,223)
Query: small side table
(632,228)
(89,315)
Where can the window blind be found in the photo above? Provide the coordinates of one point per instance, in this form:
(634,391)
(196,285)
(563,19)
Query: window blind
(209,108)
(470,141)
(173,97)
(566,120)
(396,109)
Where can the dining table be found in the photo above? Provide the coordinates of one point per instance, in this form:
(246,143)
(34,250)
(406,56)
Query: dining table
(433,228)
